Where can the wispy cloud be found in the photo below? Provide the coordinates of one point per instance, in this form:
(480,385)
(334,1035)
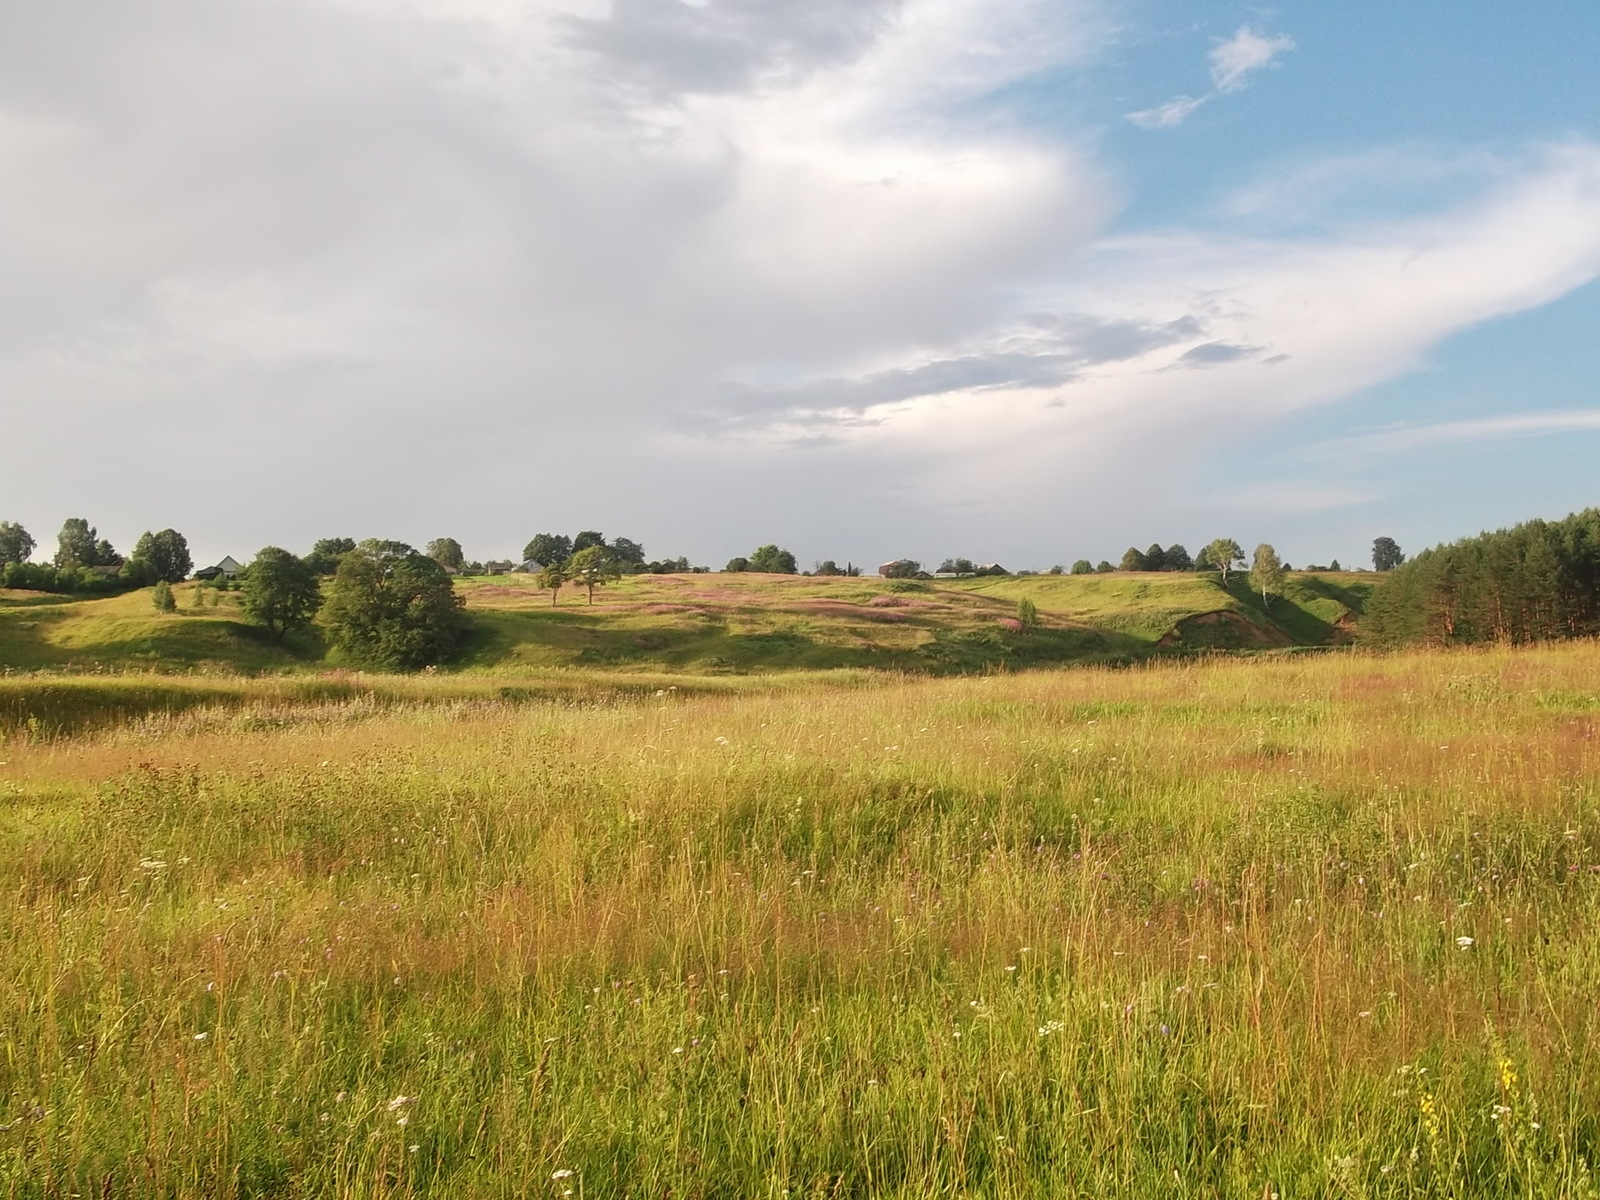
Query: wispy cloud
(1245,53)
(1406,439)
(1233,61)
(1165,116)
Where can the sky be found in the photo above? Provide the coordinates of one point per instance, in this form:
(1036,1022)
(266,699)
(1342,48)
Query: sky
(1015,280)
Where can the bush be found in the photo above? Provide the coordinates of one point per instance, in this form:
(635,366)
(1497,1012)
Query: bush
(163,599)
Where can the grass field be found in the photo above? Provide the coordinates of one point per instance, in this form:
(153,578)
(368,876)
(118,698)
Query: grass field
(1304,926)
(726,624)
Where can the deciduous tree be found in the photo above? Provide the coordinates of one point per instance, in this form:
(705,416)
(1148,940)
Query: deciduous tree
(162,556)
(1266,574)
(548,549)
(1386,554)
(551,576)
(446,552)
(771,558)
(592,567)
(80,545)
(1133,559)
(1223,554)
(281,591)
(627,553)
(325,555)
(16,543)
(392,608)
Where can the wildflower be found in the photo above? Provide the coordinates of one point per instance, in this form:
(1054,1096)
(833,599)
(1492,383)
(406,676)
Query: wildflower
(563,1173)
(400,1102)
(722,741)
(200,1037)
(1430,1115)
(1050,1027)
(1508,1076)
(1465,943)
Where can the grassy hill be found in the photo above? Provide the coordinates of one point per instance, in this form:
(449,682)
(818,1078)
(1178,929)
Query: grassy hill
(710,624)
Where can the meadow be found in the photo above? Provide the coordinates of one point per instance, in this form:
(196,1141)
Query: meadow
(724,624)
(1307,925)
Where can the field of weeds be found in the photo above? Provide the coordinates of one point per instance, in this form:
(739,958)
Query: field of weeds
(1317,926)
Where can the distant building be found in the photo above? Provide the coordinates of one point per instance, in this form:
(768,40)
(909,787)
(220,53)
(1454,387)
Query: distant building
(503,567)
(228,568)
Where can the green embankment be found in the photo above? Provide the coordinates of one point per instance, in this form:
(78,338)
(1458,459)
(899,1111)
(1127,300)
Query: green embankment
(726,623)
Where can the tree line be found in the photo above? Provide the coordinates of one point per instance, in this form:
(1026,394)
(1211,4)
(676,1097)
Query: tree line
(1536,581)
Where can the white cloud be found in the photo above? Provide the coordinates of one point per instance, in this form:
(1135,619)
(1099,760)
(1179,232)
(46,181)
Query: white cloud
(1266,329)
(1169,115)
(334,266)
(1232,62)
(1406,439)
(1243,54)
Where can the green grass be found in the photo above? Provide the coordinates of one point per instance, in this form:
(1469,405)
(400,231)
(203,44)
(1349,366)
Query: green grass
(706,624)
(1305,926)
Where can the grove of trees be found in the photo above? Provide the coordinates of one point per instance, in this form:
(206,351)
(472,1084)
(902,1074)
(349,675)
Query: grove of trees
(79,544)
(1533,582)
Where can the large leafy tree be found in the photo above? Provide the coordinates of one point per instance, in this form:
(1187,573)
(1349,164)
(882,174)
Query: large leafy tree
(591,567)
(1223,554)
(79,544)
(1386,554)
(281,591)
(548,549)
(325,555)
(447,553)
(1133,559)
(162,556)
(588,538)
(1177,558)
(627,553)
(773,559)
(1267,574)
(16,543)
(392,608)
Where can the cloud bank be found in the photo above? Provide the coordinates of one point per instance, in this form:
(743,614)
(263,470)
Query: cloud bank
(708,275)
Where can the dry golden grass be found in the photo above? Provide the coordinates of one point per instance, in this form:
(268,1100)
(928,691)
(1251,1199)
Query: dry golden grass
(1200,929)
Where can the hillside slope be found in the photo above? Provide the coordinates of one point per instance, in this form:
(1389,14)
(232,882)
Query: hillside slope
(729,623)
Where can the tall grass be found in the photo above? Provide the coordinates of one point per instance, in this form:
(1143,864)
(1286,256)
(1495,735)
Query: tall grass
(1313,927)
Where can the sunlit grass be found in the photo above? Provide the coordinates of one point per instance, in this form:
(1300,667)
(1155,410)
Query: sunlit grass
(1308,926)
